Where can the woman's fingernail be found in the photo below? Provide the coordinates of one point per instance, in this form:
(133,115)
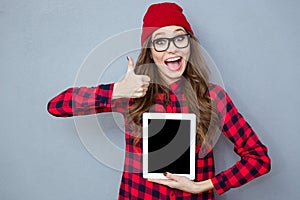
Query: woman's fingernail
(165,173)
(127,58)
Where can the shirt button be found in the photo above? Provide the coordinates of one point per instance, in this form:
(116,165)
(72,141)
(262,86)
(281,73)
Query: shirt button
(172,196)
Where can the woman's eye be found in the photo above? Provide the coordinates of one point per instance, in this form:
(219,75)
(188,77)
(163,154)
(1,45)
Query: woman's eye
(179,38)
(160,42)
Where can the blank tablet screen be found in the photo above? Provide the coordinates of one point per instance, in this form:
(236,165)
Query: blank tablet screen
(169,146)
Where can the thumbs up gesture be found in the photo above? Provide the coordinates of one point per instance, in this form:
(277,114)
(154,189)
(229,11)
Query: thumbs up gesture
(133,85)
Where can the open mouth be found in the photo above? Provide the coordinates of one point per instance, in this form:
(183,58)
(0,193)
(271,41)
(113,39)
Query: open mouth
(174,63)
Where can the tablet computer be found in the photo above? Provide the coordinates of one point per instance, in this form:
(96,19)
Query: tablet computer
(169,144)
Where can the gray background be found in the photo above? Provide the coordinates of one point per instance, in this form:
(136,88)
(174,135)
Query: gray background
(43,43)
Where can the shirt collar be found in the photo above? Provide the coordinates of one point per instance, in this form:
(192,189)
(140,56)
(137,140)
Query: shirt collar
(176,86)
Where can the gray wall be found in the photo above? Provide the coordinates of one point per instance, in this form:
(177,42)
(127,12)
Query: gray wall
(43,43)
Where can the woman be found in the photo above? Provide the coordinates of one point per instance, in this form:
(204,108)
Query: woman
(171,76)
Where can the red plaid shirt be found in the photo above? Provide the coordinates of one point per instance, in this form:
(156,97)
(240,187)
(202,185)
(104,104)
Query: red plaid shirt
(254,158)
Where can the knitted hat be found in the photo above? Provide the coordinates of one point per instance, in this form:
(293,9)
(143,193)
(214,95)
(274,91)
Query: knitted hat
(163,14)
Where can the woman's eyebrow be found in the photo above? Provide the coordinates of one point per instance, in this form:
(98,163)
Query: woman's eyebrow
(163,33)
(180,29)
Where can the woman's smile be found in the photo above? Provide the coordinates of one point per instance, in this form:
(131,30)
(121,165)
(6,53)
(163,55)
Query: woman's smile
(174,63)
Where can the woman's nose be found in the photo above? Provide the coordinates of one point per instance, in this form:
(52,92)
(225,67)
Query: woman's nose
(172,48)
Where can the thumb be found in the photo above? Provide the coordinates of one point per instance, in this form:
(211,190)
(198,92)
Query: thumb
(130,64)
(172,176)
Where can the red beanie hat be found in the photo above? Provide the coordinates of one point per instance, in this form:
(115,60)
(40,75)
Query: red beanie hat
(163,14)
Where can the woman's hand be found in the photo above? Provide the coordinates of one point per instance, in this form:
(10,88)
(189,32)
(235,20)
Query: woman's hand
(184,184)
(132,86)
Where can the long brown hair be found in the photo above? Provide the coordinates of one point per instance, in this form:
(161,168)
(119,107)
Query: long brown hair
(195,89)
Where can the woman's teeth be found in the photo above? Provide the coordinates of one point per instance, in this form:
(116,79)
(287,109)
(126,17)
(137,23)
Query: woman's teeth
(173,59)
(173,63)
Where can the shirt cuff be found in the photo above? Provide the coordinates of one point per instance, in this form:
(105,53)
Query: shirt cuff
(220,184)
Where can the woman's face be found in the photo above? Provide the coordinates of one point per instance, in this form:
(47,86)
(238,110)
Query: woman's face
(172,62)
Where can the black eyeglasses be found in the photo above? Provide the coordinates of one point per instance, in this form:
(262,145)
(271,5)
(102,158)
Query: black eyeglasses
(180,41)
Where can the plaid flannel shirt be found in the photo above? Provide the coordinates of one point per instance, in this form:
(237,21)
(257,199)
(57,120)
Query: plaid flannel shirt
(254,160)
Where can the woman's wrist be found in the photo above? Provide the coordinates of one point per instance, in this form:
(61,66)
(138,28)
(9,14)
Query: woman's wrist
(116,94)
(203,186)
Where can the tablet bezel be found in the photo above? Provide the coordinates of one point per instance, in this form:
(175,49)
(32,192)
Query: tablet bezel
(177,116)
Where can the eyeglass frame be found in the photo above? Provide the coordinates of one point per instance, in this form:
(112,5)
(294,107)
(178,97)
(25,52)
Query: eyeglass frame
(171,40)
